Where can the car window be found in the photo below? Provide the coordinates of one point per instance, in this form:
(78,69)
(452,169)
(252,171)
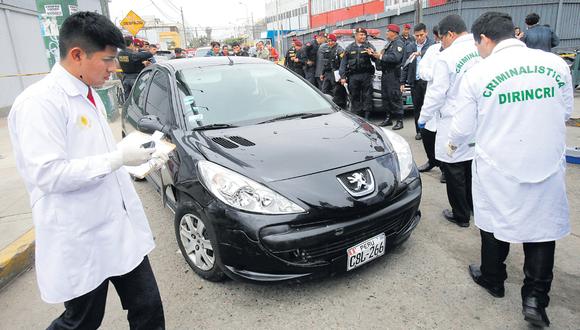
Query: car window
(244,94)
(158,98)
(139,90)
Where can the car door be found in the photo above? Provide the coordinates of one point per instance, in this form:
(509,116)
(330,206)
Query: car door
(135,105)
(159,103)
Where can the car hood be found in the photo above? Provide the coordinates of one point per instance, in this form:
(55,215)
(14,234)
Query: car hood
(292,148)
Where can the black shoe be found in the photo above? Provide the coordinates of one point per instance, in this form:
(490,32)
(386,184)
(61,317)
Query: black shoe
(442,178)
(534,313)
(477,276)
(425,167)
(418,136)
(448,214)
(398,125)
(386,122)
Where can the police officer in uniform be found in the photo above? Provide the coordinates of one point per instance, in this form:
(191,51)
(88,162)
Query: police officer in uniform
(311,52)
(390,63)
(294,59)
(519,179)
(331,56)
(357,69)
(132,62)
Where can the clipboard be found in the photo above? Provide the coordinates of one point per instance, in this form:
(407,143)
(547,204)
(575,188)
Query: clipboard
(161,145)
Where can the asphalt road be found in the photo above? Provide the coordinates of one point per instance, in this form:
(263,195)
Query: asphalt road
(422,284)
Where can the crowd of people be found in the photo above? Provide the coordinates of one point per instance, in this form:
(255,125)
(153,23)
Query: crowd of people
(490,110)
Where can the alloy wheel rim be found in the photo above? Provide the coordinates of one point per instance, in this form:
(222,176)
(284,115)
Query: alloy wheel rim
(194,238)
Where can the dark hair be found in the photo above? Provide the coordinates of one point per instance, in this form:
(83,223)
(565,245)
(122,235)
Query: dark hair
(235,44)
(91,32)
(452,23)
(128,41)
(226,46)
(153,46)
(494,25)
(532,19)
(214,43)
(435,30)
(419,27)
(178,50)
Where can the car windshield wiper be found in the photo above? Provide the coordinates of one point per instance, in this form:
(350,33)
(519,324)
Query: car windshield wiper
(213,126)
(301,115)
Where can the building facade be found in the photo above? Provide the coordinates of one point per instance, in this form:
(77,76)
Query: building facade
(24,60)
(287,15)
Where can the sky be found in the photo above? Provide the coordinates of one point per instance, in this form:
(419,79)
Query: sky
(221,15)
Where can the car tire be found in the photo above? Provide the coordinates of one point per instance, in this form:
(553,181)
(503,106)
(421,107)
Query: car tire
(197,243)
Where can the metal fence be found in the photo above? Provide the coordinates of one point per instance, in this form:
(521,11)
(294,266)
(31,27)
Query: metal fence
(563,16)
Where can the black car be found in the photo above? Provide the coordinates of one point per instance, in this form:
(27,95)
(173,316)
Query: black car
(269,180)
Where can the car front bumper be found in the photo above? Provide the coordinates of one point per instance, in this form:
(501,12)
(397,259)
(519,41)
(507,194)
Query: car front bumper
(252,249)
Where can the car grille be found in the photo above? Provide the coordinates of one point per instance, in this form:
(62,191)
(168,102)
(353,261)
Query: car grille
(224,142)
(241,141)
(327,251)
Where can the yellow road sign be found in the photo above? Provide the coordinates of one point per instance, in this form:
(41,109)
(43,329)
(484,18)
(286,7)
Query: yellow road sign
(132,23)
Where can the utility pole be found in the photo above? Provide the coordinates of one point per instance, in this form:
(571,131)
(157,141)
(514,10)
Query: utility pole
(184,32)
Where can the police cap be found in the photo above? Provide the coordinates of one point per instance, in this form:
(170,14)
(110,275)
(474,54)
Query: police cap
(393,28)
(361,30)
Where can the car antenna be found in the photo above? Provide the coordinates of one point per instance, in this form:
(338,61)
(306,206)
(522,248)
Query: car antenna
(231,61)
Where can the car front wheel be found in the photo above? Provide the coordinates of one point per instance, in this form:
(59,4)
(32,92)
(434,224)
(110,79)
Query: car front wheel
(197,244)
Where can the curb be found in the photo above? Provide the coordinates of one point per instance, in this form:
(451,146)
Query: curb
(16,257)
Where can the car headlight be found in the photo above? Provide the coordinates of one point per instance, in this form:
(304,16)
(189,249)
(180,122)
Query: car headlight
(242,193)
(403,151)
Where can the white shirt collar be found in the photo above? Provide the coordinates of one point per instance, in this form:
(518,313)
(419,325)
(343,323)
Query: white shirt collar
(512,42)
(69,83)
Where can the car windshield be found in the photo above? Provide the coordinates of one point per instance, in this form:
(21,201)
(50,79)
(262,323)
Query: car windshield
(245,94)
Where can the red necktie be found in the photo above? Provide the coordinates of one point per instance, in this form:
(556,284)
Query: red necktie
(91,98)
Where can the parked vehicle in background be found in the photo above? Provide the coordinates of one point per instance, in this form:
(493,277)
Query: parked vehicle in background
(345,38)
(202,51)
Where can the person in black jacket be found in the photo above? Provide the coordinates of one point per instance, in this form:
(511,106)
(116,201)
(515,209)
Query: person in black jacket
(311,51)
(238,51)
(331,54)
(390,59)
(132,62)
(413,53)
(357,69)
(295,59)
(539,36)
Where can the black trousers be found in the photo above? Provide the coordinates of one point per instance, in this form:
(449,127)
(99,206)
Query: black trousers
(310,75)
(418,91)
(360,87)
(458,176)
(391,95)
(139,296)
(428,139)
(128,82)
(331,87)
(538,265)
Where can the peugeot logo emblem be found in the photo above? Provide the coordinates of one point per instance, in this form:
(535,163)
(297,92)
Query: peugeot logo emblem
(358,183)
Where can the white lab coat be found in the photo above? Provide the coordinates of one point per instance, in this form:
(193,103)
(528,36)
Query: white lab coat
(440,98)
(519,191)
(88,219)
(426,73)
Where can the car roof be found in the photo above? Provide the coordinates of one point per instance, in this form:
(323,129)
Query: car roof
(196,62)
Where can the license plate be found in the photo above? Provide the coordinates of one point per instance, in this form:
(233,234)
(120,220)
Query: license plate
(366,251)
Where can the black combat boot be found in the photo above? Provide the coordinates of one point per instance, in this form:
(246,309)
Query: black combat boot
(398,125)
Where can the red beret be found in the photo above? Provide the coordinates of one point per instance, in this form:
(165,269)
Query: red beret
(394,28)
(407,26)
(360,30)
(332,37)
(298,43)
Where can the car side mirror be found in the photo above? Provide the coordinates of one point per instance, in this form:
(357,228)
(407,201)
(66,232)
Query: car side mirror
(150,124)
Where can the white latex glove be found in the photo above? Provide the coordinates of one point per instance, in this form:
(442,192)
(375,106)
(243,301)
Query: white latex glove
(160,156)
(129,155)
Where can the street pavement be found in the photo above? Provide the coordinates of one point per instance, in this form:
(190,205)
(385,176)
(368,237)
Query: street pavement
(422,284)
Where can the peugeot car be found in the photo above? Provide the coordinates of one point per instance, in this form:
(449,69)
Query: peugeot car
(270,180)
